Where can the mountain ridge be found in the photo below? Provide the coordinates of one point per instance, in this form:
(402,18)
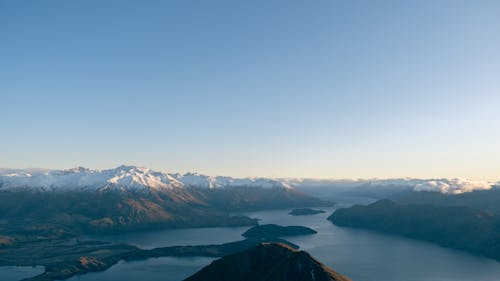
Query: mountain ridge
(130,178)
(130,198)
(458,227)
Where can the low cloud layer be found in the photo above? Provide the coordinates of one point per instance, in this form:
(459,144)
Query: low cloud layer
(452,186)
(448,186)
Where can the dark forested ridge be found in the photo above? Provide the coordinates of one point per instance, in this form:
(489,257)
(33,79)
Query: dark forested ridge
(456,227)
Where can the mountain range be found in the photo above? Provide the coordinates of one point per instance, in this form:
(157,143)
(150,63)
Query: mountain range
(133,178)
(127,198)
(442,185)
(130,178)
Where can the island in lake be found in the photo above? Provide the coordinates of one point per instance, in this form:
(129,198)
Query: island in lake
(305,212)
(274,230)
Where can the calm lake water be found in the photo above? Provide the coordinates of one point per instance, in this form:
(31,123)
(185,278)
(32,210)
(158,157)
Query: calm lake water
(360,255)
(15,273)
(370,256)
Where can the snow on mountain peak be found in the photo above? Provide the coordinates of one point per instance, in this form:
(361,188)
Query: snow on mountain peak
(129,178)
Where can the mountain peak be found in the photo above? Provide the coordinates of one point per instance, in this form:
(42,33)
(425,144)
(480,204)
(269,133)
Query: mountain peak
(130,168)
(78,169)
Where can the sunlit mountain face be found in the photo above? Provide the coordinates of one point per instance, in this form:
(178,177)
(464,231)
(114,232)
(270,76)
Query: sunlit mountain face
(129,178)
(127,198)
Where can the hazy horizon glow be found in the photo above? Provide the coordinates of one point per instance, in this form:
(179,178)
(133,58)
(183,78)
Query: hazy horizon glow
(330,89)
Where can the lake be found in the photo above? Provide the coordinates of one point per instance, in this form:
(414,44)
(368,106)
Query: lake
(358,254)
(15,273)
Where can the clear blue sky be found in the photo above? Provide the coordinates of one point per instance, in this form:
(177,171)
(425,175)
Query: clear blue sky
(326,89)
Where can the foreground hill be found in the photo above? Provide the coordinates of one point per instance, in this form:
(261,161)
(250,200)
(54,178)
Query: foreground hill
(55,203)
(455,227)
(268,262)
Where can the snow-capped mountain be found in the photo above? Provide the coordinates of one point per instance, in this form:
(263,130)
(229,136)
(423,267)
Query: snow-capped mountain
(443,185)
(121,178)
(143,179)
(141,198)
(197,180)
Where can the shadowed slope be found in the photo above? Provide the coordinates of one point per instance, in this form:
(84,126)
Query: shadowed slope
(450,226)
(268,262)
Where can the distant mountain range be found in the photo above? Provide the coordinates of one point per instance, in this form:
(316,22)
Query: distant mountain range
(133,178)
(129,178)
(365,191)
(60,202)
(442,185)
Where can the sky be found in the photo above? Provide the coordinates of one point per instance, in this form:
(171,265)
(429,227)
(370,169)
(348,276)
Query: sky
(320,89)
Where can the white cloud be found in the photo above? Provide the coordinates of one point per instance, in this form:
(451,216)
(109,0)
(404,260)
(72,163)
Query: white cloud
(452,186)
